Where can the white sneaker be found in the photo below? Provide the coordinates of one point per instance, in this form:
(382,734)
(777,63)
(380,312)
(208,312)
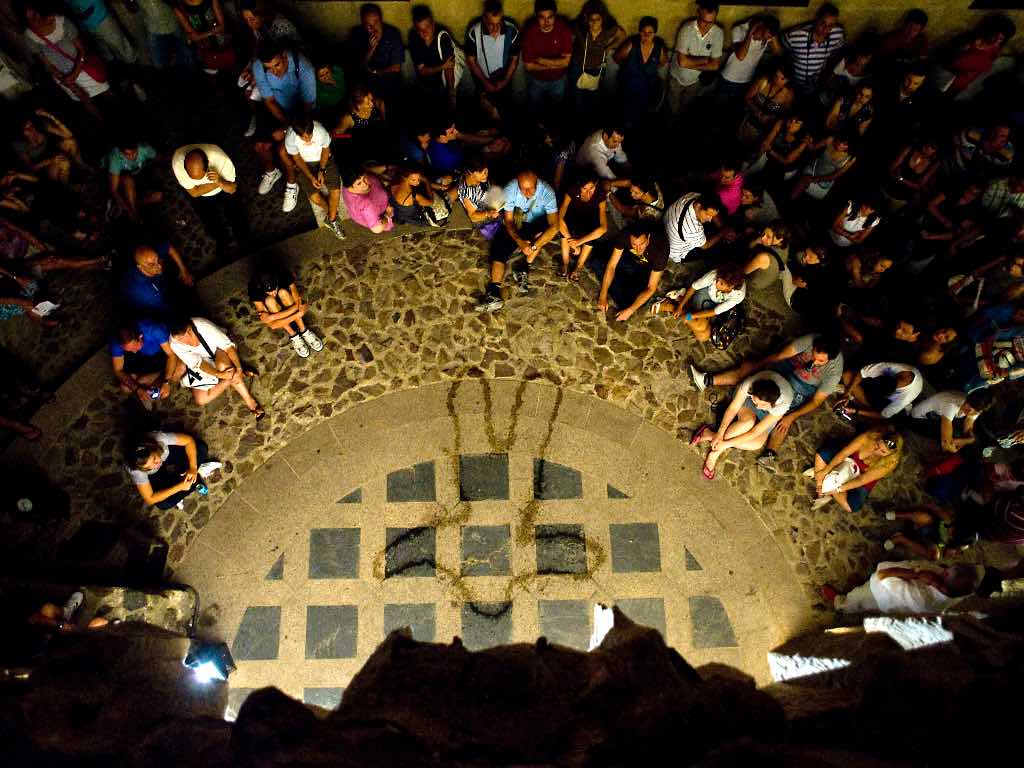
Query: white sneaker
(821,502)
(335,227)
(889,545)
(312,340)
(207,468)
(890,515)
(809,472)
(268,180)
(140,92)
(291,197)
(251,130)
(180,504)
(300,346)
(698,378)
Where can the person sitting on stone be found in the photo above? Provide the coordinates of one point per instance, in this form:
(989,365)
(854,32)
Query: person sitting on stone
(931,531)
(379,51)
(211,362)
(147,289)
(601,153)
(846,474)
(47,147)
(482,200)
(19,295)
(712,294)
(366,201)
(139,361)
(812,365)
(630,268)
(23,251)
(65,618)
(129,170)
(582,220)
(447,150)
(641,200)
(950,408)
(768,252)
(308,144)
(807,282)
(685,222)
(166,467)
(879,391)
(279,305)
(287,84)
(409,195)
(530,221)
(756,204)
(909,586)
(759,404)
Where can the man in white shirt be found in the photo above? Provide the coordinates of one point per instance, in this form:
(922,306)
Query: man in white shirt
(211,362)
(307,142)
(205,171)
(759,404)
(684,223)
(698,49)
(880,391)
(601,149)
(750,41)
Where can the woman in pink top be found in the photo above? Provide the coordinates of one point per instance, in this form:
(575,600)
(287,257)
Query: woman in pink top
(367,202)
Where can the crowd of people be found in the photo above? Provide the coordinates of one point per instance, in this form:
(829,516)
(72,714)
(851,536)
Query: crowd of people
(869,184)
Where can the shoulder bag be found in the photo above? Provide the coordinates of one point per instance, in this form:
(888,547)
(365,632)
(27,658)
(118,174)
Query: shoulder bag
(587,81)
(199,379)
(92,64)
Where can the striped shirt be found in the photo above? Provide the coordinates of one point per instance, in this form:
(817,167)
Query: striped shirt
(810,57)
(686,234)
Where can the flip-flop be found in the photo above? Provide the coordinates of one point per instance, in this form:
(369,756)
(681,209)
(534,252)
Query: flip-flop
(258,412)
(709,474)
(699,434)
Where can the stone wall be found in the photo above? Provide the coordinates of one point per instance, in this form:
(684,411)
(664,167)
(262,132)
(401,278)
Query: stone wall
(630,701)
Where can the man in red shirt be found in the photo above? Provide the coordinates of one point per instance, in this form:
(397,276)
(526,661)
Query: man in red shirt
(547,49)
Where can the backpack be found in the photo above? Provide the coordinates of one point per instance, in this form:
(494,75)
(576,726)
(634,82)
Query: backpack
(726,327)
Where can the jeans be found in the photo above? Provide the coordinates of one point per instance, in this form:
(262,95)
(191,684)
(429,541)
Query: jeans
(545,95)
(170,50)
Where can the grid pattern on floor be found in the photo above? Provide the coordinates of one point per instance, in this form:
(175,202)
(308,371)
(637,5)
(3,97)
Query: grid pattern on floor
(440,582)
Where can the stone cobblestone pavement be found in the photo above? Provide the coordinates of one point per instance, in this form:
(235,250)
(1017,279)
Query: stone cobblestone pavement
(395,314)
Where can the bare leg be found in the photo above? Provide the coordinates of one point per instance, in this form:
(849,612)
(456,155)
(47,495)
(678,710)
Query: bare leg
(701,328)
(497,271)
(333,198)
(927,551)
(48,262)
(565,255)
(732,376)
(265,152)
(287,164)
(283,301)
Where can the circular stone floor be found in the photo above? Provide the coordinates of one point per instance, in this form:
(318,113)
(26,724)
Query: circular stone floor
(493,510)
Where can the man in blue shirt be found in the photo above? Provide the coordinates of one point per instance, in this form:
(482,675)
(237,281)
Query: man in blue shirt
(147,290)
(286,81)
(138,359)
(530,222)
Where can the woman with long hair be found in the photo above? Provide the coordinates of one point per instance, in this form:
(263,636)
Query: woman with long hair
(847,474)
